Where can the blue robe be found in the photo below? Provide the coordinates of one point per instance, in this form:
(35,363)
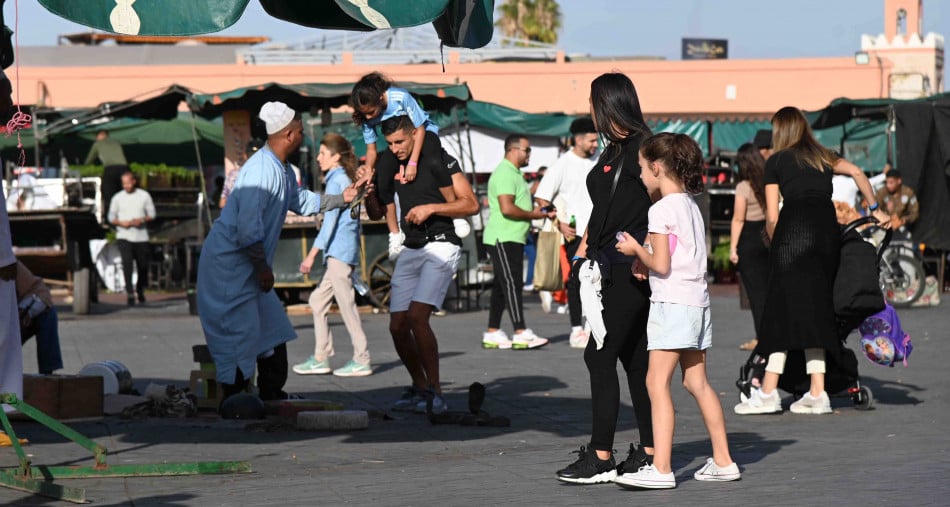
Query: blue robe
(240,321)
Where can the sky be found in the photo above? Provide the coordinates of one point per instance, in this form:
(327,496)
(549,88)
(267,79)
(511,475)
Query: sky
(754,28)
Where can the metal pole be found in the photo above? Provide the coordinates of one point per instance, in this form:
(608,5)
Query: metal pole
(203,205)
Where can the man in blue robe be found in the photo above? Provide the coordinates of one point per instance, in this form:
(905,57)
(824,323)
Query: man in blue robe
(243,320)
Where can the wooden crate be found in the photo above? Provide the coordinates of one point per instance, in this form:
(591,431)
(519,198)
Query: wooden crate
(64,396)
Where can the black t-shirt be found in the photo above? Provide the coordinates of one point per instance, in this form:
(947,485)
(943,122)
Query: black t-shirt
(627,211)
(432,174)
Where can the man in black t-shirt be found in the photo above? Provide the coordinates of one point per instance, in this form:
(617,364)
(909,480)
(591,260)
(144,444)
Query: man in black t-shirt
(428,261)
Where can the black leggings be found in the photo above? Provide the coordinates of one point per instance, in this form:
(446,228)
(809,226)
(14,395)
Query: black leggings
(506,262)
(626,307)
(754,268)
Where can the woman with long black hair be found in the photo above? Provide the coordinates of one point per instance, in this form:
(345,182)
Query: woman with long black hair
(749,251)
(620,205)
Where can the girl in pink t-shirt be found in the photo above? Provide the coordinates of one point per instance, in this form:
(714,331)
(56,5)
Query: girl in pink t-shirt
(678,329)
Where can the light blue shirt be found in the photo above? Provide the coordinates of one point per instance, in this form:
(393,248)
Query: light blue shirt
(340,233)
(399,102)
(240,321)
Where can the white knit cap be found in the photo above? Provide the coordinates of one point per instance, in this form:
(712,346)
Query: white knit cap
(276,116)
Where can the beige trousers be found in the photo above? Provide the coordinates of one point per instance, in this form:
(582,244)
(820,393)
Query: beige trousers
(336,284)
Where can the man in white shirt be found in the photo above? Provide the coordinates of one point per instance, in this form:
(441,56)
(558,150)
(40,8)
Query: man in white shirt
(11,358)
(566,181)
(129,211)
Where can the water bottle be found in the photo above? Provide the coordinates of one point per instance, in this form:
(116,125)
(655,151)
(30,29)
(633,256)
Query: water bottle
(573,224)
(361,288)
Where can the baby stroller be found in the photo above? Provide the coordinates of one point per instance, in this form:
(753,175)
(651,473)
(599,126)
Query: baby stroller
(857,295)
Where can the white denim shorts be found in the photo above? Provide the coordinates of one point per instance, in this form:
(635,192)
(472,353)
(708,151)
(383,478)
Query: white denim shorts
(423,275)
(673,326)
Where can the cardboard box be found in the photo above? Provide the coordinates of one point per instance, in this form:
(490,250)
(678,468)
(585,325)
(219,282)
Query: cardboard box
(64,396)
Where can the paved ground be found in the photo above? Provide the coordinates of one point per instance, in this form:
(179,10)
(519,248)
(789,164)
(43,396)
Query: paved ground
(896,454)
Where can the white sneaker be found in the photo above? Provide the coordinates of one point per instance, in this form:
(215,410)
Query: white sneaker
(495,340)
(527,340)
(713,472)
(809,404)
(759,403)
(546,299)
(562,310)
(579,339)
(648,478)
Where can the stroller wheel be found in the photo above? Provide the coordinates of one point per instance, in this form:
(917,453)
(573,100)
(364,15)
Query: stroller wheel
(863,399)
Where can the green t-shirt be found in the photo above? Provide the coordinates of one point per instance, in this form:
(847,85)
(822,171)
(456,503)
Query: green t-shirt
(108,151)
(506,180)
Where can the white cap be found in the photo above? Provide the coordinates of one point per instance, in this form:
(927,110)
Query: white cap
(276,116)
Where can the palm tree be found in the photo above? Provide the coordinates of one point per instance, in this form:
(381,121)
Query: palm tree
(534,20)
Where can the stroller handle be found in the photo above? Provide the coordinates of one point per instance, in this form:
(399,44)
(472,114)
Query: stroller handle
(888,233)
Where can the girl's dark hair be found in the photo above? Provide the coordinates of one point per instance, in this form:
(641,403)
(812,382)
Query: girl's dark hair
(338,145)
(366,92)
(752,169)
(681,156)
(615,107)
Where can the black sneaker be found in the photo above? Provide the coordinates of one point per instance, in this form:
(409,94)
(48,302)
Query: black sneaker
(589,469)
(636,458)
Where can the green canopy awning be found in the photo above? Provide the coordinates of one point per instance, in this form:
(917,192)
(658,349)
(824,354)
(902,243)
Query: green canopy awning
(459,23)
(310,96)
(145,141)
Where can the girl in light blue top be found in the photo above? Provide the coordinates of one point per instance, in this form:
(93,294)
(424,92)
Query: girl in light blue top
(338,239)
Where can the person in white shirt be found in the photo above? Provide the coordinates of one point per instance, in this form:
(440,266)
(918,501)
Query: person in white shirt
(130,211)
(844,189)
(567,179)
(11,358)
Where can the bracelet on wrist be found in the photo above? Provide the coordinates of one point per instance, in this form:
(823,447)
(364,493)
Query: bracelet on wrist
(413,163)
(576,257)
(874,207)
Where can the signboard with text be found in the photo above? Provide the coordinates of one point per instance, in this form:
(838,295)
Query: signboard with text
(705,49)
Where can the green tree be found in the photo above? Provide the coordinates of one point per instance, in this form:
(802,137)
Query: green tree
(534,20)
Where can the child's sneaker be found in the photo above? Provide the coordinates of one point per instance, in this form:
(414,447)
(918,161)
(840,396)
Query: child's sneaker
(647,478)
(589,469)
(759,403)
(353,369)
(313,367)
(809,404)
(526,339)
(713,472)
(495,340)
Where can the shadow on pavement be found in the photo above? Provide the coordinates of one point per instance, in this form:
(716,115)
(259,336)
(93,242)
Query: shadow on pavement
(888,392)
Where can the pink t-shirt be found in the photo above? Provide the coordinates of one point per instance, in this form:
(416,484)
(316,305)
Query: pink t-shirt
(678,215)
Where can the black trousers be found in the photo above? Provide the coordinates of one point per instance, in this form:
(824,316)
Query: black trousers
(111,185)
(754,267)
(626,308)
(573,287)
(141,253)
(507,261)
(271,377)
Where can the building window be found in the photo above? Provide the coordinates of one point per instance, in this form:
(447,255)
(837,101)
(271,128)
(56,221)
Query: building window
(902,22)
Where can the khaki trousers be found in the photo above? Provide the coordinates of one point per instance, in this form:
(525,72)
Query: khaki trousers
(336,284)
